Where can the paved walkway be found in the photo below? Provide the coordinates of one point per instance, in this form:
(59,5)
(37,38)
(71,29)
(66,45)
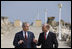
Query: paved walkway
(7,39)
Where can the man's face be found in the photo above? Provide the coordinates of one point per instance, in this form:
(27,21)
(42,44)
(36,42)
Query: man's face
(44,29)
(26,27)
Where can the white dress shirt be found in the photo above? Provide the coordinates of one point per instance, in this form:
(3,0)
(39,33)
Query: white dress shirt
(24,34)
(47,33)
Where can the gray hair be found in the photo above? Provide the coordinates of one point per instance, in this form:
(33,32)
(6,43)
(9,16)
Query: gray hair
(24,23)
(47,26)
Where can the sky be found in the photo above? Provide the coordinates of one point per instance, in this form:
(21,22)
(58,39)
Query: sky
(27,11)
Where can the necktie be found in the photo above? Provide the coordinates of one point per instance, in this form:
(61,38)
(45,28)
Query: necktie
(45,35)
(25,36)
(26,40)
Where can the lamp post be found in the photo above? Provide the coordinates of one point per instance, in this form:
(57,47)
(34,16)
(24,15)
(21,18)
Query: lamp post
(45,16)
(60,6)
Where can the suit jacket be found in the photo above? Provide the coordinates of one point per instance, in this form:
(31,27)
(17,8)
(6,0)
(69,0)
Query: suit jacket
(49,42)
(27,44)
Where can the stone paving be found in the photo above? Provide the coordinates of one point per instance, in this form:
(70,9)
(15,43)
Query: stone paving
(7,39)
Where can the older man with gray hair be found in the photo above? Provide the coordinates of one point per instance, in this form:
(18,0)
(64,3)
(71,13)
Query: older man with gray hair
(47,39)
(24,38)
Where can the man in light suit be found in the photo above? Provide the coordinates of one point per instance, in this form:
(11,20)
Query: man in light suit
(24,38)
(47,39)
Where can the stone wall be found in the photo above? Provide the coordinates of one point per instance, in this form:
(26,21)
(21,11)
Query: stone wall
(6,26)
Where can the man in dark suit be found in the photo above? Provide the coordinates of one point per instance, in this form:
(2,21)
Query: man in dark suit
(47,39)
(24,38)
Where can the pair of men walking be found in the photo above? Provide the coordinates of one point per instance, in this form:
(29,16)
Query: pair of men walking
(26,39)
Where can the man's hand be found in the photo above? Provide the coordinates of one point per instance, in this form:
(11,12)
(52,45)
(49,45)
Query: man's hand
(35,41)
(20,42)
